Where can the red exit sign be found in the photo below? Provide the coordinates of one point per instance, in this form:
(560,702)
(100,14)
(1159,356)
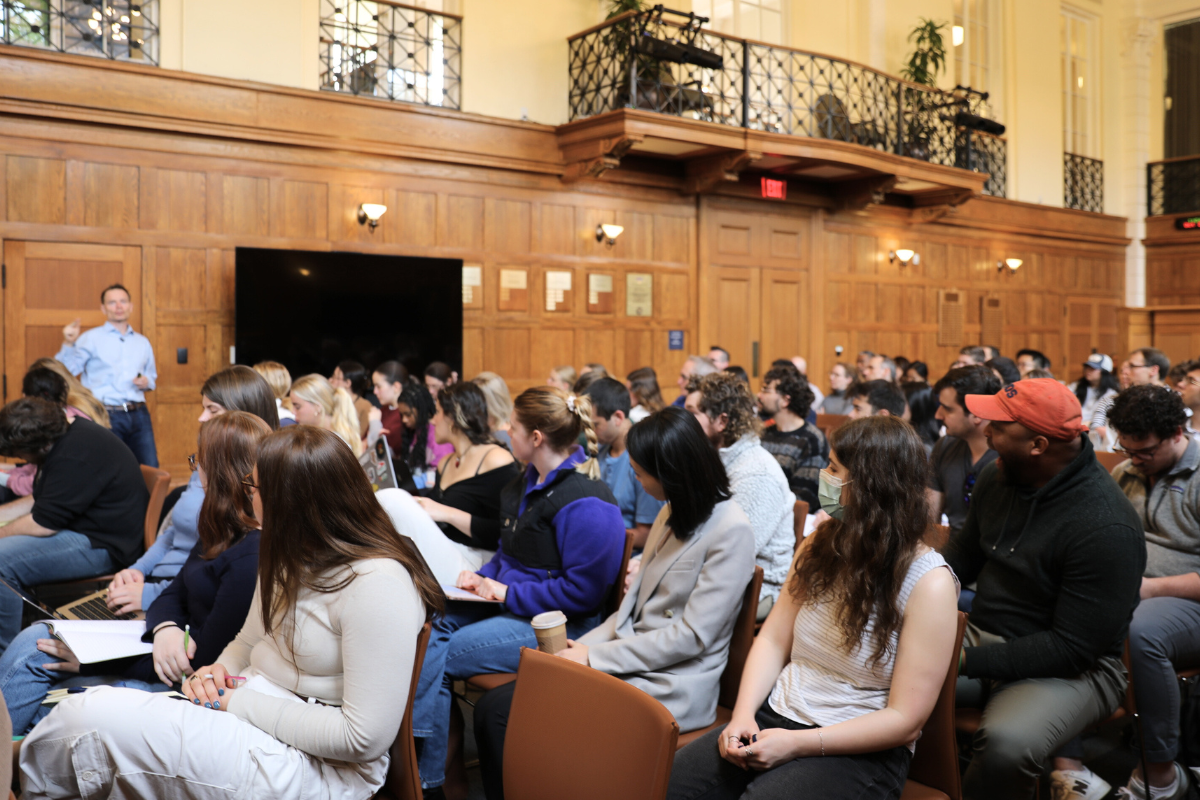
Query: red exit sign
(773,189)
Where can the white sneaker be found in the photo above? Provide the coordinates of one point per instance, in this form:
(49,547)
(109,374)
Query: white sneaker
(1136,790)
(1069,784)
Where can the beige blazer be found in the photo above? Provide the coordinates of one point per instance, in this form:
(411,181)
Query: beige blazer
(670,637)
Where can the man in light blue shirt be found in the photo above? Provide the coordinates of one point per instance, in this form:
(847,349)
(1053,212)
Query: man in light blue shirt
(117,365)
(610,418)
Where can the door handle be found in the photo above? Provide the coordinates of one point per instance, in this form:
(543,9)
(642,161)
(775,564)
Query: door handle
(754,359)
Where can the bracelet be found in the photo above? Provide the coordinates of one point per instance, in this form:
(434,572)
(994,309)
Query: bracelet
(163,626)
(822,740)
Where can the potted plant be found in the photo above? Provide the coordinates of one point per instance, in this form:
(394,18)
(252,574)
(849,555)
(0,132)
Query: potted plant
(924,64)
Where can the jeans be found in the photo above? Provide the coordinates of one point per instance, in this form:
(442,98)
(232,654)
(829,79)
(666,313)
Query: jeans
(24,681)
(133,428)
(27,561)
(701,774)
(471,639)
(1163,637)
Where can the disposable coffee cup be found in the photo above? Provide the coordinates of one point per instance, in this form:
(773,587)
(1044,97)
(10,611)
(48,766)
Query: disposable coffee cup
(550,628)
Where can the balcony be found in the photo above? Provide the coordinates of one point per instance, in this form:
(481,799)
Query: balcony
(391,51)
(1173,186)
(126,30)
(771,109)
(1083,183)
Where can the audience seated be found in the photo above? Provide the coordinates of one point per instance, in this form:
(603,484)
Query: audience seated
(917,372)
(1097,386)
(723,407)
(798,446)
(876,399)
(1029,360)
(389,380)
(970,355)
(464,500)
(841,376)
(211,595)
(610,419)
(861,362)
(1160,480)
(644,394)
(562,378)
(1005,369)
(959,458)
(78,395)
(801,365)
(439,375)
(419,448)
(1189,392)
(922,412)
(499,405)
(586,379)
(867,607)
(600,371)
(560,550)
(880,368)
(48,385)
(1058,554)
(352,376)
(739,373)
(335,620)
(317,403)
(670,636)
(693,367)
(718,357)
(239,388)
(280,380)
(1145,366)
(87,513)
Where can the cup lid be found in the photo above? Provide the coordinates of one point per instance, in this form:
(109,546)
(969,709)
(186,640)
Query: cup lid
(549,619)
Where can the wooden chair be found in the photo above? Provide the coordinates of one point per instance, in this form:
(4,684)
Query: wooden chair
(828,423)
(799,516)
(934,773)
(403,781)
(1110,460)
(739,649)
(575,731)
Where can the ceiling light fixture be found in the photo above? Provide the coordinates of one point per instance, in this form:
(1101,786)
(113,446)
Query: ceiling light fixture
(369,214)
(608,233)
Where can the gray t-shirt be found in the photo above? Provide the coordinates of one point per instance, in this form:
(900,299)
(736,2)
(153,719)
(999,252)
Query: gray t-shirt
(954,476)
(1170,513)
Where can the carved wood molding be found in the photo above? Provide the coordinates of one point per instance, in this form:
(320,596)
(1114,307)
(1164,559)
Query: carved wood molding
(598,156)
(858,194)
(705,174)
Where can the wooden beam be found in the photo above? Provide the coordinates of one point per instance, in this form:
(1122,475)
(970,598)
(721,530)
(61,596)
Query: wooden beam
(858,194)
(705,174)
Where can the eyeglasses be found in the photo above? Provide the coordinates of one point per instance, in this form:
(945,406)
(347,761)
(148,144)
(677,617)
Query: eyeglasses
(192,463)
(1140,366)
(248,480)
(1191,381)
(968,488)
(1144,453)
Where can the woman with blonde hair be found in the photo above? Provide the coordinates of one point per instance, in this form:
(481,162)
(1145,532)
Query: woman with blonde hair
(499,405)
(78,395)
(561,541)
(317,403)
(280,380)
(562,378)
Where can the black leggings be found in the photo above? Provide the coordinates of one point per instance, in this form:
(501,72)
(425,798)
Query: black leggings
(701,774)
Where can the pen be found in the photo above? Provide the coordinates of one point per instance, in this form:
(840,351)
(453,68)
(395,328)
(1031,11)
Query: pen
(187,631)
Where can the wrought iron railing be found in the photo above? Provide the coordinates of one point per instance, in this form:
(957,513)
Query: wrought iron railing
(117,29)
(1173,186)
(778,89)
(1083,183)
(393,51)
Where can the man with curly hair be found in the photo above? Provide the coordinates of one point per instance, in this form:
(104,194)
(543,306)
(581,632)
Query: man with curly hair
(799,446)
(725,410)
(1161,481)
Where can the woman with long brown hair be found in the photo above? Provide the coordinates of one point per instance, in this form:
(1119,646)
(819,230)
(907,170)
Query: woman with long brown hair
(208,599)
(644,393)
(854,653)
(327,649)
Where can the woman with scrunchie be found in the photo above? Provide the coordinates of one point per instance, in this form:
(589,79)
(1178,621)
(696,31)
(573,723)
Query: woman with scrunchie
(561,541)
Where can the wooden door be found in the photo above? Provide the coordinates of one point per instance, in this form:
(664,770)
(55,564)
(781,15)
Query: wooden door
(735,310)
(783,323)
(50,284)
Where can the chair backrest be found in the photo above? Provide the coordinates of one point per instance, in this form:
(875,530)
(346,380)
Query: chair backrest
(828,423)
(617,593)
(740,642)
(575,731)
(403,782)
(799,517)
(935,764)
(158,483)
(1110,460)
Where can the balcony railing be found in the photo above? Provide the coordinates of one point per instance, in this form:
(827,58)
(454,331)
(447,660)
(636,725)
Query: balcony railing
(392,51)
(119,29)
(1173,186)
(1083,183)
(777,89)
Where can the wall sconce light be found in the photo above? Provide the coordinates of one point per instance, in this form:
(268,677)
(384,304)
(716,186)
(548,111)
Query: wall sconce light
(1010,264)
(608,233)
(905,257)
(369,214)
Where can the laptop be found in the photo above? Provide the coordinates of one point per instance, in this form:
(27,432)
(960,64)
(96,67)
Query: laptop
(93,607)
(376,462)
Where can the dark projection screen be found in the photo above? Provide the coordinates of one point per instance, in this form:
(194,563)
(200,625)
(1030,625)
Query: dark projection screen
(310,310)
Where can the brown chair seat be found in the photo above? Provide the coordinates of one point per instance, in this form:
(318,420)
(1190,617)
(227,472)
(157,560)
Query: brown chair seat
(919,791)
(485,683)
(403,781)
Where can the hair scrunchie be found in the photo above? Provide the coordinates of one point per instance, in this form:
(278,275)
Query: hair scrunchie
(571,404)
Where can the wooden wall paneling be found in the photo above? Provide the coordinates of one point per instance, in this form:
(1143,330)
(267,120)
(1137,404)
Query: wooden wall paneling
(509,224)
(556,231)
(784,293)
(246,206)
(553,347)
(74,196)
(36,189)
(598,346)
(510,356)
(636,242)
(736,310)
(673,238)
(305,210)
(110,196)
(464,222)
(416,218)
(473,362)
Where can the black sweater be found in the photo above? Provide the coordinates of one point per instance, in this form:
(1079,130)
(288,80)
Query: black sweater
(1058,571)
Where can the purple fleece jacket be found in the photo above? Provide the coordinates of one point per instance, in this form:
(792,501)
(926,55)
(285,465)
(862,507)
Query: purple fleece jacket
(591,539)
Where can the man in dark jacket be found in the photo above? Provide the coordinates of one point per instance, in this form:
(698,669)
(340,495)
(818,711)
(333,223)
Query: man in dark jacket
(1057,552)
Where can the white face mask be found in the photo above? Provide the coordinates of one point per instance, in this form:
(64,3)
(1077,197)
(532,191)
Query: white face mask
(829,492)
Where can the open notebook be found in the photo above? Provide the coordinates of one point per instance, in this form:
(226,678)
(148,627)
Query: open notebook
(101,640)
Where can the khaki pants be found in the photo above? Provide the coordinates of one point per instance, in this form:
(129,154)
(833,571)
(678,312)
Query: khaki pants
(1025,721)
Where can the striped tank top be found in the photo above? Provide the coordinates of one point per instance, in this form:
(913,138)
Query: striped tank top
(823,684)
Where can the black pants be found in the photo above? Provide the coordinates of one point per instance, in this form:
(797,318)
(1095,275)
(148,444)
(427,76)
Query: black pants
(491,725)
(701,774)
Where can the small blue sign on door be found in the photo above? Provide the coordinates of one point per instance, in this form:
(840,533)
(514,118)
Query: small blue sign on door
(674,340)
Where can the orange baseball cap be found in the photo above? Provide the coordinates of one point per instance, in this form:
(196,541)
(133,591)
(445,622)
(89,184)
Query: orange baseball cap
(1043,405)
